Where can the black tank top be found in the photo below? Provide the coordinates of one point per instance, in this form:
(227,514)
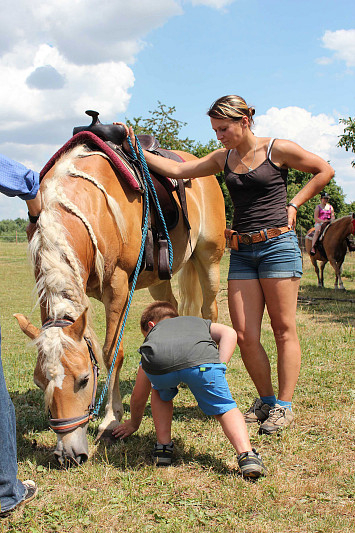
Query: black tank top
(259,196)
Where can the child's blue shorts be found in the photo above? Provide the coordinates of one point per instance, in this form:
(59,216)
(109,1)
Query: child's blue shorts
(207,383)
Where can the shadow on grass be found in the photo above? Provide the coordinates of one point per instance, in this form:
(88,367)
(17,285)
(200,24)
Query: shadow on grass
(135,452)
(325,302)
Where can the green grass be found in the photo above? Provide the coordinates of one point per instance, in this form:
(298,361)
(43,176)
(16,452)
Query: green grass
(310,484)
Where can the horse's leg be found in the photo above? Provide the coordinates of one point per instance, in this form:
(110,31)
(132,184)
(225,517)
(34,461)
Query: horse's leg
(316,268)
(337,265)
(340,267)
(115,301)
(191,298)
(163,291)
(206,263)
(322,267)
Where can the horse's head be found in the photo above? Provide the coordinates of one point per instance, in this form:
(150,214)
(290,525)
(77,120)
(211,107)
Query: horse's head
(66,371)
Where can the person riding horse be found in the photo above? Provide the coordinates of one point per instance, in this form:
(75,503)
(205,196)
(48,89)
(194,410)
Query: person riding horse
(324,212)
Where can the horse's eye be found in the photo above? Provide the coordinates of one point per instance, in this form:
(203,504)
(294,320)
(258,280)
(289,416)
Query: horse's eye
(83,382)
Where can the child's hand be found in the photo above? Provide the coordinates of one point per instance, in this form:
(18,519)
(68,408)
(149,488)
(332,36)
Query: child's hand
(124,430)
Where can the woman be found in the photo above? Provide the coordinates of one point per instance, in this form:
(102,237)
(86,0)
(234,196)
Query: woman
(266,269)
(324,212)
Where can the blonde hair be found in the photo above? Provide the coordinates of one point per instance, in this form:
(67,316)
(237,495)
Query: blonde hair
(231,106)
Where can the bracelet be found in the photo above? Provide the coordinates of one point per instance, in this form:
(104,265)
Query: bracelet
(33,218)
(293,205)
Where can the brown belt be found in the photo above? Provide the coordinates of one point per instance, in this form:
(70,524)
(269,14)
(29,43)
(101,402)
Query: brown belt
(234,238)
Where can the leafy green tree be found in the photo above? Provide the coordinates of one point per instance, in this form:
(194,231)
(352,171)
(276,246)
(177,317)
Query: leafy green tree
(9,229)
(164,127)
(348,138)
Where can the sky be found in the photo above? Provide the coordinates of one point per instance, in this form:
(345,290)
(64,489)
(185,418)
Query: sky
(293,60)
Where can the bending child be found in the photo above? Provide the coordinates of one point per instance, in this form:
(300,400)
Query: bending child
(184,350)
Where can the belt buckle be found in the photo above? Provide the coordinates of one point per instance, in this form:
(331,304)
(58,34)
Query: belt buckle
(246,238)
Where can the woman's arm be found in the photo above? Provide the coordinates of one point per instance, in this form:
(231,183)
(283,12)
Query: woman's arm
(197,168)
(291,155)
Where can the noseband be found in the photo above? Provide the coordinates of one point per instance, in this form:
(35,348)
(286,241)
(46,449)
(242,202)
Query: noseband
(63,425)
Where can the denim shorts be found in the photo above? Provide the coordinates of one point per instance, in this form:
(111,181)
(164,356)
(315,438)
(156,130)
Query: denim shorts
(207,383)
(279,257)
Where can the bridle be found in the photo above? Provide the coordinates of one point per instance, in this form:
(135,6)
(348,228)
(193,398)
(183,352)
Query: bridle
(63,425)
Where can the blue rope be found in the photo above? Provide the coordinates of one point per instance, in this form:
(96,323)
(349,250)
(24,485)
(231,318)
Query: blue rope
(147,182)
(96,409)
(154,193)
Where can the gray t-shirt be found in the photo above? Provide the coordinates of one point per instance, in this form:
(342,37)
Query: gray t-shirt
(178,343)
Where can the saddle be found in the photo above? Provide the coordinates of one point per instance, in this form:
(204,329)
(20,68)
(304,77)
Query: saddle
(113,136)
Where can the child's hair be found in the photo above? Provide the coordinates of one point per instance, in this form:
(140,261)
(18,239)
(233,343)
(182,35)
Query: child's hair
(157,311)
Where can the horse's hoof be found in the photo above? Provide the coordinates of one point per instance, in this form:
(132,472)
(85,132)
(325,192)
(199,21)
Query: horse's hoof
(106,437)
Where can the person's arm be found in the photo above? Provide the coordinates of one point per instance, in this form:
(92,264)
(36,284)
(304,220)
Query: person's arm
(196,168)
(332,215)
(226,340)
(17,180)
(34,205)
(139,398)
(291,155)
(316,214)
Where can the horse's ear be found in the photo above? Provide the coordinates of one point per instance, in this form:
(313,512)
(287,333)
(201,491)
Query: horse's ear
(29,329)
(76,330)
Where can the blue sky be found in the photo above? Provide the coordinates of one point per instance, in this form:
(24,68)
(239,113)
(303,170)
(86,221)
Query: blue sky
(293,60)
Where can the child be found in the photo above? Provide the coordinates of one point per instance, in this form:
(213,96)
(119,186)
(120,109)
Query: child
(184,349)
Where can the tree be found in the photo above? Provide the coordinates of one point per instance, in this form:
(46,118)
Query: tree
(164,127)
(348,138)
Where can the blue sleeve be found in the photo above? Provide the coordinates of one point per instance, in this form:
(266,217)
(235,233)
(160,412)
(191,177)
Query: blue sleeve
(17,180)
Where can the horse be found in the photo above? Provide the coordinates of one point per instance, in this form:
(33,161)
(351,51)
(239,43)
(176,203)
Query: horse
(86,244)
(335,246)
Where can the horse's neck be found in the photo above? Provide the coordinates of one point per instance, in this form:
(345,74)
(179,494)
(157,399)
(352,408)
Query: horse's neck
(344,228)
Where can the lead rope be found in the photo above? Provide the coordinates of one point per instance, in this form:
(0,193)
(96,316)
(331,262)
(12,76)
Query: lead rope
(147,180)
(154,193)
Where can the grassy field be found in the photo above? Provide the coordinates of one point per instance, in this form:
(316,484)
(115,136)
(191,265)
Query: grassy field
(310,483)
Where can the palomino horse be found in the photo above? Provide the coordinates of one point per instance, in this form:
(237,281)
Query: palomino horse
(335,245)
(86,243)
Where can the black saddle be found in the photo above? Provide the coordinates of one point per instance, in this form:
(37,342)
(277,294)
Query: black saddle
(114,133)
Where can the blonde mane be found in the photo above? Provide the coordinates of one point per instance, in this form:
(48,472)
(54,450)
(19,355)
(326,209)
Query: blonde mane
(59,281)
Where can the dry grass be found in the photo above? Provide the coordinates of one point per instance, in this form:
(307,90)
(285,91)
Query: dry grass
(310,482)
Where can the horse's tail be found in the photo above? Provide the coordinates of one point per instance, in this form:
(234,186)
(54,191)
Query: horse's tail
(191,298)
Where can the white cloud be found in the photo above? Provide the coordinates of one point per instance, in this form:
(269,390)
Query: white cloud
(217,4)
(342,43)
(316,133)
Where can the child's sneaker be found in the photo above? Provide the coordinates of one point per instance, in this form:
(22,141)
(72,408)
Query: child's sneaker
(251,464)
(163,453)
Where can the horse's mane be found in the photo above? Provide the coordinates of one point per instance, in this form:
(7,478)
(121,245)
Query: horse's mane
(58,272)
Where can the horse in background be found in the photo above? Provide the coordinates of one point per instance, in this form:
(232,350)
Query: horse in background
(334,243)
(86,243)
